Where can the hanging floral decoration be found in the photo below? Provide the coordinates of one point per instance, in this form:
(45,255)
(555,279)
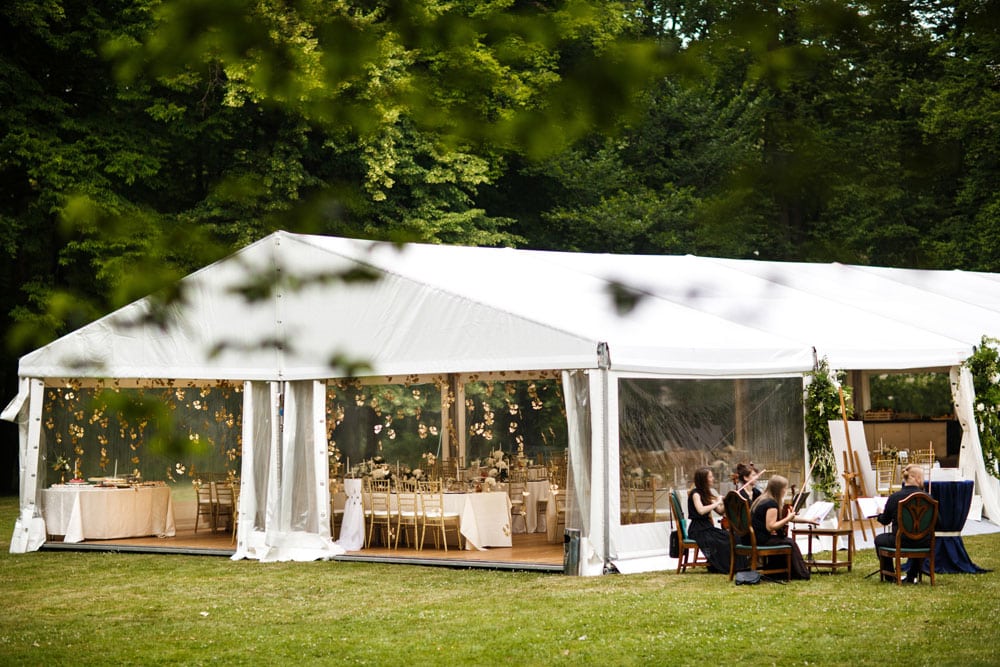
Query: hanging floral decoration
(822,405)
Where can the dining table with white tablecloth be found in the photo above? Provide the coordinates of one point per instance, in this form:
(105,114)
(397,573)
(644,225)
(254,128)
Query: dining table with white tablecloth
(536,490)
(83,512)
(484,517)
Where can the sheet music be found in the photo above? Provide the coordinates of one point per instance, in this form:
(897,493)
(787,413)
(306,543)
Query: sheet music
(817,511)
(872,507)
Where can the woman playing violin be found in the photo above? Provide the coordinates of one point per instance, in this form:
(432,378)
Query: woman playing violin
(702,501)
(744,477)
(770,522)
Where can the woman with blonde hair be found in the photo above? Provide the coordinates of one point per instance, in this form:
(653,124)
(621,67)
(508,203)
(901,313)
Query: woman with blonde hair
(771,527)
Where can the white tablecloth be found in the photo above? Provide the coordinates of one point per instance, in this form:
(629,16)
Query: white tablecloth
(485,519)
(352,527)
(91,513)
(537,490)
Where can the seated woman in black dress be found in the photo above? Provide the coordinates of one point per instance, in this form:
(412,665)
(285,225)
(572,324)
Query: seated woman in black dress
(743,479)
(702,501)
(771,527)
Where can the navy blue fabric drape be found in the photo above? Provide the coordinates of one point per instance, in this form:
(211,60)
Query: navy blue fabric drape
(954,500)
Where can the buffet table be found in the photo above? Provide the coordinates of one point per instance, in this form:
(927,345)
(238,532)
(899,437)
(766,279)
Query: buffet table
(94,513)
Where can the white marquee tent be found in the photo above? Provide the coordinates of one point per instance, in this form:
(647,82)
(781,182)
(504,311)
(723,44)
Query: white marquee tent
(451,310)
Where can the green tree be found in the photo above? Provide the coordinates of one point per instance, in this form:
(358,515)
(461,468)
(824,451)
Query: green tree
(217,121)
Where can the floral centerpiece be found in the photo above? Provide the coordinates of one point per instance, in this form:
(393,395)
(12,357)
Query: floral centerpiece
(497,466)
(375,468)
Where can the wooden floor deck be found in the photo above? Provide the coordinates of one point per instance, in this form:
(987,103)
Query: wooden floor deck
(529,551)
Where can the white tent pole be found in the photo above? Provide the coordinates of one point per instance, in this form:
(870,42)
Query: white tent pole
(271,519)
(29,529)
(604,443)
(247,506)
(321,458)
(460,431)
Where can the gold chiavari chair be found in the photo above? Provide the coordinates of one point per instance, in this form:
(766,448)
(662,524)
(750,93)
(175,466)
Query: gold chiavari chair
(885,477)
(379,509)
(436,517)
(517,491)
(407,512)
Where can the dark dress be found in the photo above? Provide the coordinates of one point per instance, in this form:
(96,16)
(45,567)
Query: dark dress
(758,520)
(750,494)
(888,539)
(713,541)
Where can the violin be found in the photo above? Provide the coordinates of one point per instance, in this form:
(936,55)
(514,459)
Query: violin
(788,507)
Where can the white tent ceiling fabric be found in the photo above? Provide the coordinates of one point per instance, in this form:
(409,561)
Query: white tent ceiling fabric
(463,309)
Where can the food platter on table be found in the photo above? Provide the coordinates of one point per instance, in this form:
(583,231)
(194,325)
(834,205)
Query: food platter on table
(117,482)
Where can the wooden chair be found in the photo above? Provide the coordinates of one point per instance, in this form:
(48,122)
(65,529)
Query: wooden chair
(916,519)
(743,541)
(644,498)
(379,509)
(685,545)
(407,512)
(225,505)
(435,516)
(559,498)
(206,508)
(517,491)
(518,475)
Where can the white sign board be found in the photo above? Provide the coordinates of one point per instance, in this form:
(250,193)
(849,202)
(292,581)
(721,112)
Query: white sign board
(859,446)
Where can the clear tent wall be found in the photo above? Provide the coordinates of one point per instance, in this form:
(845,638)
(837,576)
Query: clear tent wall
(671,427)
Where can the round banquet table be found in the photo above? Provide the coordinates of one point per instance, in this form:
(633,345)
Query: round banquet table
(954,500)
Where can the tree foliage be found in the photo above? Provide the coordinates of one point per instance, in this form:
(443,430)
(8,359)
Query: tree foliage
(142,139)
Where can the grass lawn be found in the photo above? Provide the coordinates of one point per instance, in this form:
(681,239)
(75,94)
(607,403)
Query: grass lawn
(65,608)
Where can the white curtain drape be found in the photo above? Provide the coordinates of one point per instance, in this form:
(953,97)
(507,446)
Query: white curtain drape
(970,459)
(584,478)
(285,474)
(261,403)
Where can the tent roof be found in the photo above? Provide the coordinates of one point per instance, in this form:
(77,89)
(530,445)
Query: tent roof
(439,309)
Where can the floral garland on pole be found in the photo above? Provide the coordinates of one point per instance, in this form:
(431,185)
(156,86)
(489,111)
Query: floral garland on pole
(822,405)
(984,364)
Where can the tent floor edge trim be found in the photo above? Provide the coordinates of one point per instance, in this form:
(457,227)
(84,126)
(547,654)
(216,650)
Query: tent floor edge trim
(455,563)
